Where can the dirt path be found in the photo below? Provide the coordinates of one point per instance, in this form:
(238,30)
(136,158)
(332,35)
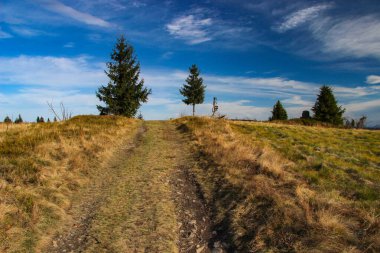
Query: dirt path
(148,201)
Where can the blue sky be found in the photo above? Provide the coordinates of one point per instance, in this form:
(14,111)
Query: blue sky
(250,54)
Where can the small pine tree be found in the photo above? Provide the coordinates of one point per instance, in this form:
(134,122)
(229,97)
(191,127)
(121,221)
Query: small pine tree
(38,119)
(194,90)
(48,121)
(326,108)
(55,119)
(125,92)
(279,113)
(7,120)
(42,120)
(19,119)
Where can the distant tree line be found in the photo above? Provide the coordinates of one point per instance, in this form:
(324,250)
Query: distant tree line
(19,120)
(359,123)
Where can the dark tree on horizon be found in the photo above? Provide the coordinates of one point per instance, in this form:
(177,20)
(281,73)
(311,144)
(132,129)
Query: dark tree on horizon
(279,113)
(326,108)
(19,119)
(7,120)
(194,90)
(125,91)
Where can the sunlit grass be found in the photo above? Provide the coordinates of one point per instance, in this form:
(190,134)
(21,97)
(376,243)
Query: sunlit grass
(42,166)
(330,159)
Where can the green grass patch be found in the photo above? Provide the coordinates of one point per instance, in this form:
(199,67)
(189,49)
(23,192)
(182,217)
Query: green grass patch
(346,160)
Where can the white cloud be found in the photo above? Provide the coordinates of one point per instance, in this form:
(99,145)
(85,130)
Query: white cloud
(51,71)
(358,37)
(354,92)
(297,100)
(190,28)
(31,103)
(362,106)
(68,11)
(300,17)
(373,79)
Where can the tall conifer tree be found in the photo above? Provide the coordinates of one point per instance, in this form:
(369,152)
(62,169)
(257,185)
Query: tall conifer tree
(279,113)
(194,90)
(326,108)
(125,91)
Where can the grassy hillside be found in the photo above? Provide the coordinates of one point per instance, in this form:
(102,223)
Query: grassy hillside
(289,188)
(342,160)
(42,166)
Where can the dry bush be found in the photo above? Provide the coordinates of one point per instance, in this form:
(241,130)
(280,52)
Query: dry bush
(265,205)
(42,166)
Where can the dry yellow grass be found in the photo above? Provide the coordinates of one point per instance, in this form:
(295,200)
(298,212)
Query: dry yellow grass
(257,194)
(43,165)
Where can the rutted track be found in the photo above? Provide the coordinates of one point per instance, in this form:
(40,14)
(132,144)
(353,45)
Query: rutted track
(146,201)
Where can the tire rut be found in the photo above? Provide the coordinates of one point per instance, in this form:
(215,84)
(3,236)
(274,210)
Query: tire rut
(78,236)
(195,225)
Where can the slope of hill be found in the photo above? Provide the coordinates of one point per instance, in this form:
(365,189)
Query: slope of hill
(42,167)
(111,184)
(289,188)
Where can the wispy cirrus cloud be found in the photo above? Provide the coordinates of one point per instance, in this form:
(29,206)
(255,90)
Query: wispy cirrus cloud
(4,35)
(26,31)
(300,17)
(65,10)
(358,37)
(190,28)
(373,79)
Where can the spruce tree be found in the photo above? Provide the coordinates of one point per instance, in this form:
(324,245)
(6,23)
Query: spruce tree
(326,108)
(125,91)
(7,120)
(19,119)
(279,112)
(38,119)
(194,90)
